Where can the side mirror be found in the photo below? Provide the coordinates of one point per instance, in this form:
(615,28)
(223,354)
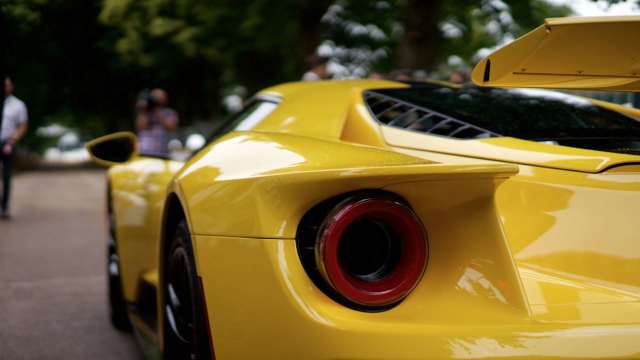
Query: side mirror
(113,149)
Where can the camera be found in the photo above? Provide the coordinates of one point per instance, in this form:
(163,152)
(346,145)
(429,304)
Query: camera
(145,101)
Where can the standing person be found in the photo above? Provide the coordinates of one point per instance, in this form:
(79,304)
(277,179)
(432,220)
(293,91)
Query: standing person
(155,123)
(14,126)
(459,77)
(317,68)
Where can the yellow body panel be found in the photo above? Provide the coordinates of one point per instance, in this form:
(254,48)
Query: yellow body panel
(274,307)
(568,53)
(533,248)
(139,191)
(511,150)
(316,109)
(270,197)
(577,227)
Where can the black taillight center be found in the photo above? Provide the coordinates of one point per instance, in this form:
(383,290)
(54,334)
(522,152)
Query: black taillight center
(369,249)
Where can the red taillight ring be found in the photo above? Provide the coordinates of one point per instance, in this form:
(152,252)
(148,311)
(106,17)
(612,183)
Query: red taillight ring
(406,274)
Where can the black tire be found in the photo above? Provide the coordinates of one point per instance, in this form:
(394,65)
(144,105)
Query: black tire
(117,303)
(185,328)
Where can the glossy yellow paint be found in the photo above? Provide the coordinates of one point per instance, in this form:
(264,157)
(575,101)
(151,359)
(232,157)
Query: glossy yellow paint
(270,287)
(490,285)
(316,109)
(626,110)
(584,229)
(269,197)
(139,192)
(533,250)
(568,53)
(512,150)
(359,127)
(573,237)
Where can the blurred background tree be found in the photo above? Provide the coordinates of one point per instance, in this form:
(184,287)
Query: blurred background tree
(379,36)
(81,63)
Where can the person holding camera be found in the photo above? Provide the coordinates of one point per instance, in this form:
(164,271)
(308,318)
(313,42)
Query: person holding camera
(155,123)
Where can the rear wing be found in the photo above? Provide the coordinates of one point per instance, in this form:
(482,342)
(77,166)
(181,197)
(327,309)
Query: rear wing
(592,53)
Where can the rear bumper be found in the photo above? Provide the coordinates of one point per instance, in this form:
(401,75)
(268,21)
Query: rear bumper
(262,305)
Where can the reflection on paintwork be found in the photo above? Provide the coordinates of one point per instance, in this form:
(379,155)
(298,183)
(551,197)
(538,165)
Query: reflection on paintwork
(621,313)
(473,282)
(559,226)
(551,288)
(258,157)
(134,210)
(556,344)
(510,150)
(474,300)
(289,121)
(241,167)
(319,111)
(286,276)
(139,196)
(296,306)
(551,95)
(597,229)
(560,222)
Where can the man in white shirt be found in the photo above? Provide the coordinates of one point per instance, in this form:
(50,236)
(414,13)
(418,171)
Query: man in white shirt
(14,126)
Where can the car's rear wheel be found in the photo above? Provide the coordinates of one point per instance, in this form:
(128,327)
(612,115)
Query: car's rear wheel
(117,303)
(185,324)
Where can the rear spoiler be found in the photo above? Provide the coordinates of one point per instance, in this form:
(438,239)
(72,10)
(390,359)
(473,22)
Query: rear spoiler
(591,53)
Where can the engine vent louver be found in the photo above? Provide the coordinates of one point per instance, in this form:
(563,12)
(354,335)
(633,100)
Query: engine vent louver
(400,114)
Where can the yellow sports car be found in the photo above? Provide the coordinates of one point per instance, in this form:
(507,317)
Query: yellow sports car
(382,220)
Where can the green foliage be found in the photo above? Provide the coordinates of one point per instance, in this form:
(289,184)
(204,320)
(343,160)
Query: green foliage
(360,34)
(55,64)
(82,62)
(24,12)
(252,42)
(460,28)
(485,24)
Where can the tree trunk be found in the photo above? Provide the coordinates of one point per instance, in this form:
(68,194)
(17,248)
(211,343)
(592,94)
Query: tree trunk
(309,34)
(418,48)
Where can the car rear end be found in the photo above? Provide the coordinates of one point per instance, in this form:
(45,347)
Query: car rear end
(517,261)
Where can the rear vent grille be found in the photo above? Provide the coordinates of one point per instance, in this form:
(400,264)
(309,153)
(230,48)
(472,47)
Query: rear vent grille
(401,114)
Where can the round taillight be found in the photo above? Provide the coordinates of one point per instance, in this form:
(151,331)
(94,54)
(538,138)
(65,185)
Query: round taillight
(372,251)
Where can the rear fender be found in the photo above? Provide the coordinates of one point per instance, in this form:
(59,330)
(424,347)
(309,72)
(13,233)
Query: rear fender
(260,185)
